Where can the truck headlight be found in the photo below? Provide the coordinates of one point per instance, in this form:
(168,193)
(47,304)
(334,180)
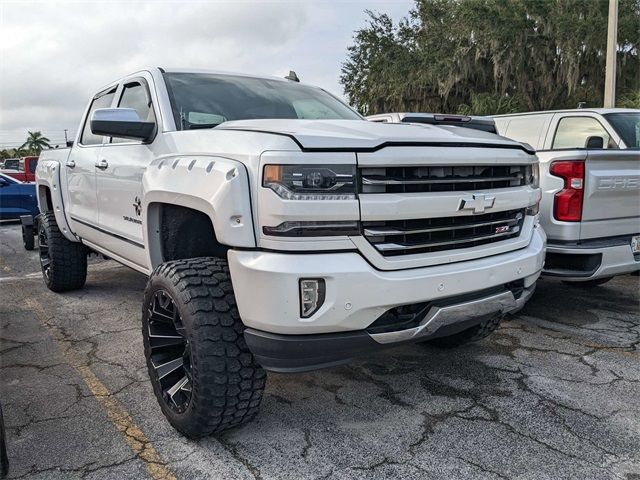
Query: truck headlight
(535,175)
(311,182)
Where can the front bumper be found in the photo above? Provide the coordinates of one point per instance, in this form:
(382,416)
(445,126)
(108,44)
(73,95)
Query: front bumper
(591,259)
(299,353)
(266,285)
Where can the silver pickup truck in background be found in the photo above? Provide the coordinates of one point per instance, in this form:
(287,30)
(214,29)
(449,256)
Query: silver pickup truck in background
(590,180)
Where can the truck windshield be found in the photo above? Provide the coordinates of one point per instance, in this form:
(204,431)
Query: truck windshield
(201,100)
(627,124)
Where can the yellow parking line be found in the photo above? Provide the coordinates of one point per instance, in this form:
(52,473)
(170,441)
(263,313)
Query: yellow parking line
(117,414)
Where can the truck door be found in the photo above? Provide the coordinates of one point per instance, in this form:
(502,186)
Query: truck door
(119,178)
(80,172)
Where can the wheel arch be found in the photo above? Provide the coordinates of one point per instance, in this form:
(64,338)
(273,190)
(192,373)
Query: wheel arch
(49,195)
(198,187)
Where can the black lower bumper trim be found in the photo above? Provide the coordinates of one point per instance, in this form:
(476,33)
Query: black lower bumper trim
(301,353)
(571,265)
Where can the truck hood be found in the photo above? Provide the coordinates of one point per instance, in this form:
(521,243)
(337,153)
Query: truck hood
(362,135)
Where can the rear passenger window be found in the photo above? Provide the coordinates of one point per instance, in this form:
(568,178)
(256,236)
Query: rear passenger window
(573,132)
(526,129)
(134,96)
(103,101)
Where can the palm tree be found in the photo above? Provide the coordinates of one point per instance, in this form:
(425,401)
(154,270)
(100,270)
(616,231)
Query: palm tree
(19,152)
(36,143)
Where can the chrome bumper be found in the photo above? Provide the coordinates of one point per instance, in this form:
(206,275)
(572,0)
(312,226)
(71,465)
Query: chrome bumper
(438,317)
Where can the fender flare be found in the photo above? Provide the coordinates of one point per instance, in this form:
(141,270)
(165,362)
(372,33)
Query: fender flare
(213,185)
(48,175)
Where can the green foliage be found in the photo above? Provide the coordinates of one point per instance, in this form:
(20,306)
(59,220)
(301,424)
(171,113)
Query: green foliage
(490,56)
(630,100)
(35,143)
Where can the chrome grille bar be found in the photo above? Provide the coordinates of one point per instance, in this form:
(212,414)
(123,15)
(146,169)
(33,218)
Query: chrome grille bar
(434,178)
(399,237)
(385,247)
(373,232)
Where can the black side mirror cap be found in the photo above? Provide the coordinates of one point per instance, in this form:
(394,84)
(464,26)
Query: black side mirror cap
(121,123)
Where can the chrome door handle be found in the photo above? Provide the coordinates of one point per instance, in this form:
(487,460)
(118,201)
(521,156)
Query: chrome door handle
(102,164)
(71,164)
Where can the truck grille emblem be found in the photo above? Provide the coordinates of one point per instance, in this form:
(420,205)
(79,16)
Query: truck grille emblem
(476,203)
(503,228)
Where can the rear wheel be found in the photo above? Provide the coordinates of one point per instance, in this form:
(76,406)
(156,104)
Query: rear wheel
(28,239)
(203,374)
(473,334)
(588,283)
(63,263)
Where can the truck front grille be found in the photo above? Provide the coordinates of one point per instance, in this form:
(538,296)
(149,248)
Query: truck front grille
(443,179)
(405,237)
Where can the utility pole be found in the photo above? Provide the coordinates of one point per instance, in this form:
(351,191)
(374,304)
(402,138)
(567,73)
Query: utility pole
(612,50)
(66,141)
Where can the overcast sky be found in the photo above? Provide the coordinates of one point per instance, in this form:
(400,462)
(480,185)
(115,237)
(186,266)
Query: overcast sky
(54,55)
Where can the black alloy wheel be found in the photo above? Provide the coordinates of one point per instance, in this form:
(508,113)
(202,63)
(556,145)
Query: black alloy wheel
(170,352)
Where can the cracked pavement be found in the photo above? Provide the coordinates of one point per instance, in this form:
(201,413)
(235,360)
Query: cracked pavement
(554,393)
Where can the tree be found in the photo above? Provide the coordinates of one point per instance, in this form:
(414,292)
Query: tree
(35,143)
(491,56)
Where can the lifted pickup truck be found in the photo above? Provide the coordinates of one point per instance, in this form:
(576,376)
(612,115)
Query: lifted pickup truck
(282,231)
(590,179)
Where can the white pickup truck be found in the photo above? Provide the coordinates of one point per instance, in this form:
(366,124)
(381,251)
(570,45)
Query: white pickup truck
(590,178)
(282,231)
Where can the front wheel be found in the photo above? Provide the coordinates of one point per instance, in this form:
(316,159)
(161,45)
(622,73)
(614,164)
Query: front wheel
(473,334)
(203,374)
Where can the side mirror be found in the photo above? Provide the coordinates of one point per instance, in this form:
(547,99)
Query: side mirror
(122,123)
(594,142)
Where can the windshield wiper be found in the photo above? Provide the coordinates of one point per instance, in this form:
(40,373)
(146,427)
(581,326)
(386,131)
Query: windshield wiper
(198,126)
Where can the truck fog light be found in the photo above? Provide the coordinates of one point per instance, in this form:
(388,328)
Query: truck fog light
(312,292)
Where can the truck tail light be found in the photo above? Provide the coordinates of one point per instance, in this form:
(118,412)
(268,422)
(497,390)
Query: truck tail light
(567,204)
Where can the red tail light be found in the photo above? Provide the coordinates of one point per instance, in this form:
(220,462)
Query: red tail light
(567,205)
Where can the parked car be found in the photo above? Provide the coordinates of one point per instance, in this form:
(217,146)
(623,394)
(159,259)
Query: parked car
(25,171)
(16,198)
(485,124)
(283,231)
(590,179)
(11,164)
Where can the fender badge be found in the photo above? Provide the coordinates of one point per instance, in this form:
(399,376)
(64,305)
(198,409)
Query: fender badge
(137,205)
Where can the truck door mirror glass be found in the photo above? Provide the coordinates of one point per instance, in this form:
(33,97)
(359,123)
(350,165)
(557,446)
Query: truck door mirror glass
(594,142)
(121,122)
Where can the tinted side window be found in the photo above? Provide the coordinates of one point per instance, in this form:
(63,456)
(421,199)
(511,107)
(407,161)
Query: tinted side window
(104,101)
(527,129)
(572,132)
(134,96)
(33,163)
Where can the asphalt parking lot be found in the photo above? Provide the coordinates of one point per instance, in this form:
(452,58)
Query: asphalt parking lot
(555,393)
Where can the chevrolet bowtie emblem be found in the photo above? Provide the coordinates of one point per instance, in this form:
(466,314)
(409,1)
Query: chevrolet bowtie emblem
(477,203)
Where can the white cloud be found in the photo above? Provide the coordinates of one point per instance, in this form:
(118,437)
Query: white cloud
(55,55)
